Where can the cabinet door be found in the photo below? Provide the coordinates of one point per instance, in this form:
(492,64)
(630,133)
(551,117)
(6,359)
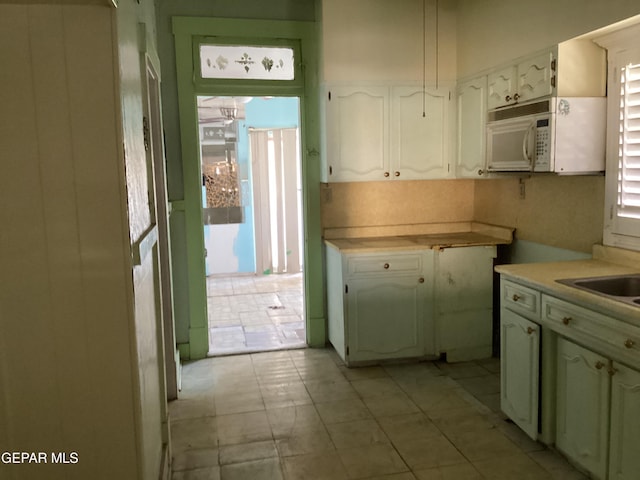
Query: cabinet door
(624,461)
(419,144)
(472,114)
(519,370)
(385,317)
(357,133)
(582,417)
(464,302)
(535,77)
(501,87)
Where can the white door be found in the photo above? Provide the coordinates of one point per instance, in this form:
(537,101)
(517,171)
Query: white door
(277,200)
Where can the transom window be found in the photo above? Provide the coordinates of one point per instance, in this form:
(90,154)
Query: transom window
(247,62)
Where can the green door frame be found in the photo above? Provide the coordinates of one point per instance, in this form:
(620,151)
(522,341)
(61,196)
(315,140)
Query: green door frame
(188,32)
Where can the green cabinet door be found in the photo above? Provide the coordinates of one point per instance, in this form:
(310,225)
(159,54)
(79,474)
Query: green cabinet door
(624,452)
(582,421)
(519,370)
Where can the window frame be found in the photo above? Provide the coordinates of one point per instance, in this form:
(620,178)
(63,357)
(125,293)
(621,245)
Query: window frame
(622,47)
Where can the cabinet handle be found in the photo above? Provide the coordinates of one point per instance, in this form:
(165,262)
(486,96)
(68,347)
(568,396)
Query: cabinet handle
(386,266)
(516,97)
(386,174)
(480,172)
(599,365)
(566,320)
(629,343)
(530,330)
(397,174)
(507,98)
(515,297)
(421,280)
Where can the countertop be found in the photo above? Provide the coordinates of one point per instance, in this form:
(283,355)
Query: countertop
(419,239)
(606,261)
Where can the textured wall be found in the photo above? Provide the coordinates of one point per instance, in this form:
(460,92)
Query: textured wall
(358,204)
(564,212)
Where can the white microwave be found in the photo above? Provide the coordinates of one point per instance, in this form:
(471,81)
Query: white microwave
(562,135)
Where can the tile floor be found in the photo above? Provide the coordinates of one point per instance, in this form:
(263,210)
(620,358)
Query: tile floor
(301,414)
(250,313)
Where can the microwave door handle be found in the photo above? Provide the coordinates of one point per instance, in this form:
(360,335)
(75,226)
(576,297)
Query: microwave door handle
(525,145)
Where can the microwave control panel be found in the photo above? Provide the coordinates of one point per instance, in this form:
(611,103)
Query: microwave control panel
(543,145)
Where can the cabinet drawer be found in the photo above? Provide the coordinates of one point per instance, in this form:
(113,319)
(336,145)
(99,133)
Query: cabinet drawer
(617,338)
(520,299)
(367,265)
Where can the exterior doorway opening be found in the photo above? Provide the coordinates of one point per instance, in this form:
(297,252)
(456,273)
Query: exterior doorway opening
(252,222)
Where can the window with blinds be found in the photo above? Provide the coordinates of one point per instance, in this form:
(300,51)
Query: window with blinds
(628,203)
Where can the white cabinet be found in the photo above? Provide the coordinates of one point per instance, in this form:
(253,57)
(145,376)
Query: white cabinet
(380,133)
(357,145)
(576,68)
(472,116)
(464,301)
(378,304)
(582,421)
(383,305)
(419,133)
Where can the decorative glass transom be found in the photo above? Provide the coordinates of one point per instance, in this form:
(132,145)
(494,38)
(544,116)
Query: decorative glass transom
(245,62)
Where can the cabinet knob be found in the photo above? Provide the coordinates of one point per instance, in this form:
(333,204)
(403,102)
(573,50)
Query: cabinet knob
(516,97)
(421,280)
(599,365)
(629,343)
(386,174)
(566,320)
(612,371)
(507,98)
(397,174)
(530,330)
(386,266)
(480,172)
(515,297)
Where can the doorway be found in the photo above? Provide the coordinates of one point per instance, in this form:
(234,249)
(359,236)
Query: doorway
(252,222)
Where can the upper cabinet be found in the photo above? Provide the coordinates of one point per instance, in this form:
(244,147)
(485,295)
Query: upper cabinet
(576,68)
(387,133)
(387,70)
(472,115)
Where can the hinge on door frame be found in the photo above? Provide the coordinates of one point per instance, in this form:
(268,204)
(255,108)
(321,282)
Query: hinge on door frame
(329,95)
(347,350)
(449,95)
(346,288)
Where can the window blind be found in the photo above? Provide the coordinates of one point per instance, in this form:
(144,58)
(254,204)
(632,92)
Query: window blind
(629,142)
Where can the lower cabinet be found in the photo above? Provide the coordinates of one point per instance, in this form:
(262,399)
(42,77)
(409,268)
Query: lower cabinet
(386,317)
(598,413)
(519,373)
(409,304)
(562,367)
(582,415)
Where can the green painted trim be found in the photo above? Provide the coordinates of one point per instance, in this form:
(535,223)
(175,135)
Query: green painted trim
(177,205)
(188,30)
(183,350)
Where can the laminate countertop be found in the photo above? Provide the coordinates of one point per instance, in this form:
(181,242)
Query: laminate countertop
(420,238)
(606,261)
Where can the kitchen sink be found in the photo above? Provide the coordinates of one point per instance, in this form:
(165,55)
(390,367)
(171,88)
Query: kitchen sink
(624,288)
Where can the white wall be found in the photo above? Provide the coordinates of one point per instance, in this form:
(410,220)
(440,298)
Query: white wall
(491,32)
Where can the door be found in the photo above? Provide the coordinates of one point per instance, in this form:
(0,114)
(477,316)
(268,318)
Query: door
(472,113)
(275,166)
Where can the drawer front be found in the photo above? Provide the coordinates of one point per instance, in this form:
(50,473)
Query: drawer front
(373,265)
(520,299)
(616,338)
